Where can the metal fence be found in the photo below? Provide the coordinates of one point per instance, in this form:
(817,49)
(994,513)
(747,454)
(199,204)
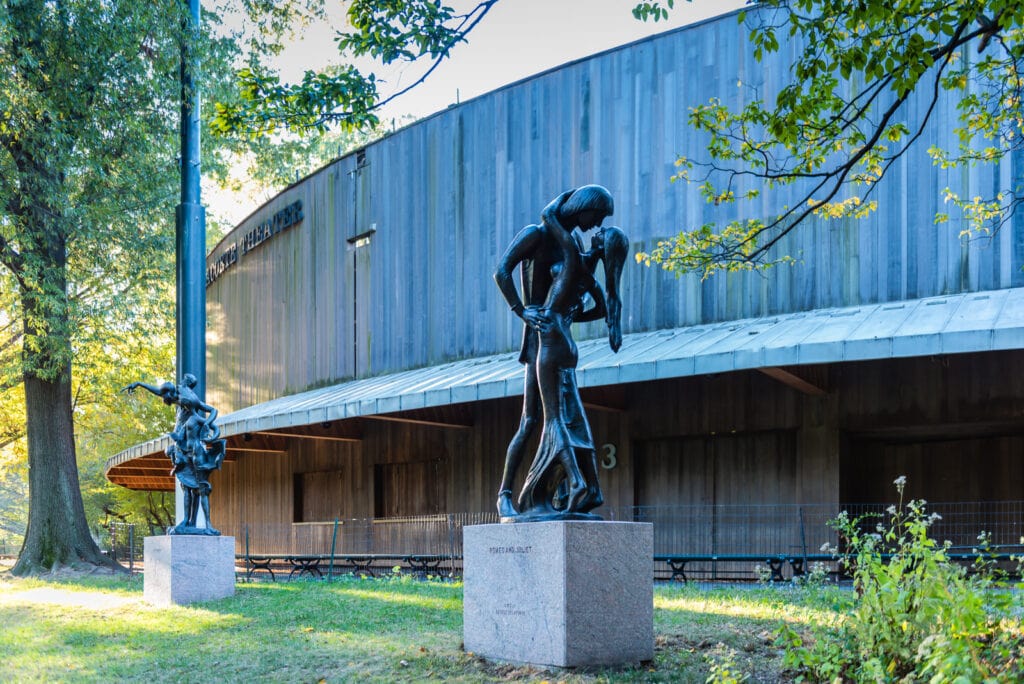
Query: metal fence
(799,531)
(738,536)
(124,544)
(429,535)
(9,547)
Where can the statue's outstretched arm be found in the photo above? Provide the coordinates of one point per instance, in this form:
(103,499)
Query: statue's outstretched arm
(129,389)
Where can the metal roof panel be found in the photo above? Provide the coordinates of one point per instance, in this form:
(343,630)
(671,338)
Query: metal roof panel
(970,322)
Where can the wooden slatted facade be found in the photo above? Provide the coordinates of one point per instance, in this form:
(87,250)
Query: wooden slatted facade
(951,424)
(390,269)
(436,203)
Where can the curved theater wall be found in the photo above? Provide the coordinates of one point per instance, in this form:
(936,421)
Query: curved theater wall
(389,264)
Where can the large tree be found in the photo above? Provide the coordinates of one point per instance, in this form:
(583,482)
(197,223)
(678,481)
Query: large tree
(88,121)
(89,112)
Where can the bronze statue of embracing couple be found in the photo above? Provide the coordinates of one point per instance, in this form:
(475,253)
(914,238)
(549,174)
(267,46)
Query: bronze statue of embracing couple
(557,278)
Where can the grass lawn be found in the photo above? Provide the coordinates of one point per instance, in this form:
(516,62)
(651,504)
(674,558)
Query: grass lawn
(390,630)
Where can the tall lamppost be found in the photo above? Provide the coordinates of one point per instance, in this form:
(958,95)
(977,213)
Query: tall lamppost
(190,231)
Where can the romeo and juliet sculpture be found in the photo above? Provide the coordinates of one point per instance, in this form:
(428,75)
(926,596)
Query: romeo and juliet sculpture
(557,276)
(195,449)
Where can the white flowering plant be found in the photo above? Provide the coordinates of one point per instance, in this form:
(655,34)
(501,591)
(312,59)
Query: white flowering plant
(918,615)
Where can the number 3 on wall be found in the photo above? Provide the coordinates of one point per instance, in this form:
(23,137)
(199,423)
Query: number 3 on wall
(608,462)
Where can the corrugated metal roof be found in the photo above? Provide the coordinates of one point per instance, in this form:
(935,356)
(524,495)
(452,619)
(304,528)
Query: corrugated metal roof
(971,322)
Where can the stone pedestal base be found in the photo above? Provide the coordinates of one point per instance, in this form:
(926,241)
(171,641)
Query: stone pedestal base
(182,569)
(562,593)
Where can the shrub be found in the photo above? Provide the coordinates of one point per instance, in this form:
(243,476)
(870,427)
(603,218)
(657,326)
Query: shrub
(918,615)
(722,668)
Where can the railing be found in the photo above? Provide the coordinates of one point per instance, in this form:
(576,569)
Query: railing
(738,537)
(9,547)
(430,535)
(125,545)
(800,531)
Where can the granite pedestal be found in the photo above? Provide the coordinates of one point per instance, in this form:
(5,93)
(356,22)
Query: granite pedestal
(183,569)
(565,593)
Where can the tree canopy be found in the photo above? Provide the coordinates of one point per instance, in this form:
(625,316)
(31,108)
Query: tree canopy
(89,178)
(88,146)
(343,95)
(838,126)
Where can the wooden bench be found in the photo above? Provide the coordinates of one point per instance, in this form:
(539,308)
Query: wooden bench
(774,562)
(360,564)
(263,561)
(677,562)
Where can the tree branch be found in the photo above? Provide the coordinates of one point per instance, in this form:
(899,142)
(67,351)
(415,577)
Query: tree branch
(835,179)
(8,438)
(459,35)
(12,260)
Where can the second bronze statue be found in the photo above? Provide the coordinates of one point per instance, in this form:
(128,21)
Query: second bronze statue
(557,277)
(196,449)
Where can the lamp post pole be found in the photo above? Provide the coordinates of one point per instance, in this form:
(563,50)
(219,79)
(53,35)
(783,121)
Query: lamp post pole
(190,231)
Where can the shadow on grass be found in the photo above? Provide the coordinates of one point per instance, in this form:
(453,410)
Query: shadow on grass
(283,632)
(367,630)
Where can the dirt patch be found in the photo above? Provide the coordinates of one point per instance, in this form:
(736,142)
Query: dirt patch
(752,651)
(78,571)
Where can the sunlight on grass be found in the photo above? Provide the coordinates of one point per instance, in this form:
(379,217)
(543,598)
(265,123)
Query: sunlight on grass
(377,630)
(94,600)
(398,598)
(750,604)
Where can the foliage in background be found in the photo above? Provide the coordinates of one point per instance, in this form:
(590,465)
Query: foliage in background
(254,170)
(838,126)
(918,615)
(89,179)
(345,96)
(111,346)
(13,458)
(342,95)
(13,473)
(88,151)
(108,421)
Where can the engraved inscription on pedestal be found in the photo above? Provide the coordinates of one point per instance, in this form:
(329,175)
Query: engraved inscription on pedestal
(562,593)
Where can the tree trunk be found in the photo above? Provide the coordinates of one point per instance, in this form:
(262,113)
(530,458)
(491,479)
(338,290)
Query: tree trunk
(57,534)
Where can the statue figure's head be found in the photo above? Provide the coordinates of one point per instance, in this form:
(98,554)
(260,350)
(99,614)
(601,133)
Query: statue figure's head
(587,207)
(189,380)
(168,392)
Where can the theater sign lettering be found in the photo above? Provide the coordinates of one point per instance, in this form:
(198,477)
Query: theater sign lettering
(229,254)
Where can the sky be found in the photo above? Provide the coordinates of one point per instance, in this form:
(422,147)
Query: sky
(517,39)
